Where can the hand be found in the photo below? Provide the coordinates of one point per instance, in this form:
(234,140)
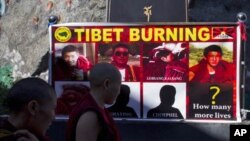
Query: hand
(78,74)
(25,135)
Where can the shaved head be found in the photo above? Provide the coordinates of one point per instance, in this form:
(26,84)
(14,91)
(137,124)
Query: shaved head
(101,72)
(26,90)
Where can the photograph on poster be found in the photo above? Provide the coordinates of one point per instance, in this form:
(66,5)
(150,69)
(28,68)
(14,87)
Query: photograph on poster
(165,62)
(212,71)
(125,57)
(211,62)
(127,104)
(72,61)
(69,94)
(164,100)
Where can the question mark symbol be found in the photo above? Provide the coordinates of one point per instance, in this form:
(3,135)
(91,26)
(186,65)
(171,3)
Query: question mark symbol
(215,94)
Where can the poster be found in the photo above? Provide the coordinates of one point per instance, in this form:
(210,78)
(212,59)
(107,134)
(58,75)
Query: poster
(170,72)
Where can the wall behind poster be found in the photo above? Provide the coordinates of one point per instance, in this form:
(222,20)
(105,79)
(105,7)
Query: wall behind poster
(158,90)
(147,11)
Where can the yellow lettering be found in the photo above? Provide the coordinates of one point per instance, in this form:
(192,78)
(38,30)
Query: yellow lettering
(171,34)
(159,34)
(118,33)
(144,33)
(79,34)
(87,35)
(134,34)
(180,34)
(107,34)
(96,35)
(190,34)
(203,34)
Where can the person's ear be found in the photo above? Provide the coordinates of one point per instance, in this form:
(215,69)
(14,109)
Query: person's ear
(163,59)
(106,83)
(205,58)
(33,107)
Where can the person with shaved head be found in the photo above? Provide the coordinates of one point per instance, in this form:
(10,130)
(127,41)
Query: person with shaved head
(31,104)
(90,120)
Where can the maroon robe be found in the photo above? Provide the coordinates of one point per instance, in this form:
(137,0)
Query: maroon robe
(68,100)
(108,133)
(174,71)
(7,128)
(224,72)
(132,73)
(63,72)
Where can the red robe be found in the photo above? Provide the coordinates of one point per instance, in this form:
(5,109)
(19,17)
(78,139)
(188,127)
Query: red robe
(109,131)
(132,73)
(224,72)
(63,72)
(7,128)
(174,71)
(68,100)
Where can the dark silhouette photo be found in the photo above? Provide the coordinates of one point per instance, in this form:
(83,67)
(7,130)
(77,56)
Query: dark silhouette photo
(165,109)
(121,109)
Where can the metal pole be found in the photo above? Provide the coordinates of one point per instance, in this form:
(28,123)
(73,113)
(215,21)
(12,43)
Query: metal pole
(242,18)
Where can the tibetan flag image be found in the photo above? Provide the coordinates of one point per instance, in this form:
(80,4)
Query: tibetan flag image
(223,33)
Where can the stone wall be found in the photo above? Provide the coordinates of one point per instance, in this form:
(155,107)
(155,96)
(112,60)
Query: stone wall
(24,38)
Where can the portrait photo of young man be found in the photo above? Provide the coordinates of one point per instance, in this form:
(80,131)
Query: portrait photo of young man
(215,64)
